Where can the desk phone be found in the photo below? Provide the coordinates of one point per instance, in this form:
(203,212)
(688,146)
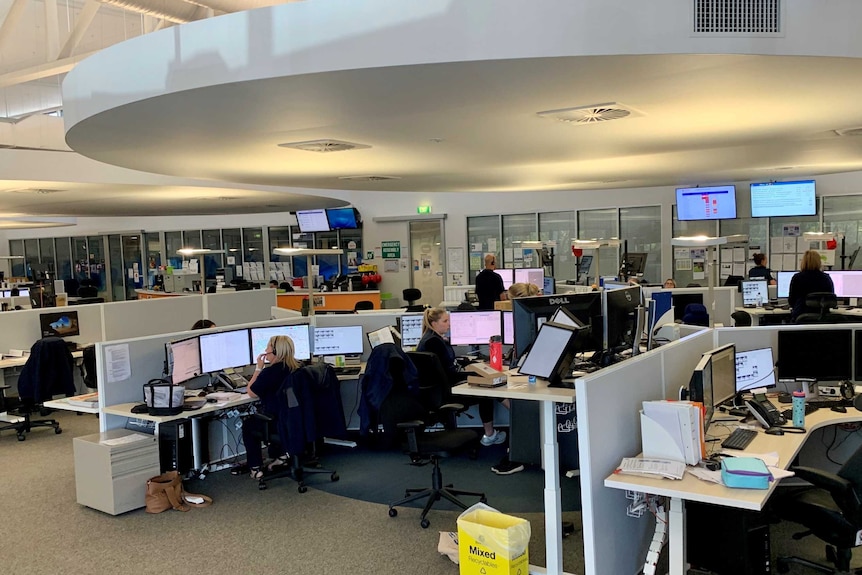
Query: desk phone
(765,411)
(232,379)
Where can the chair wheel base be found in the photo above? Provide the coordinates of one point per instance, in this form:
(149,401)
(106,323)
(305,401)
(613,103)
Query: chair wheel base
(424,523)
(393,512)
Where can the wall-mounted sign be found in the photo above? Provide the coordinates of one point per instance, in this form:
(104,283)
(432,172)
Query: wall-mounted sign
(391,249)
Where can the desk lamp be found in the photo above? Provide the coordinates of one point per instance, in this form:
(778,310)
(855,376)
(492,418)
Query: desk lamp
(308,253)
(200,253)
(595,244)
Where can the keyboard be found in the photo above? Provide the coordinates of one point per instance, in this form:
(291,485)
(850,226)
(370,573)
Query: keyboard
(739,438)
(809,409)
(346,370)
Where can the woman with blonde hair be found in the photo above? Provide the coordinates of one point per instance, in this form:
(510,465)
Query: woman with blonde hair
(273,366)
(522,289)
(435,339)
(810,279)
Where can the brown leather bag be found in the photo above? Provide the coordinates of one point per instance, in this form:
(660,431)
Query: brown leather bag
(166,491)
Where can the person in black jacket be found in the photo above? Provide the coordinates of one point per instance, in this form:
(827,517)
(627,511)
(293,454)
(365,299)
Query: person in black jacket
(810,279)
(435,329)
(760,271)
(489,285)
(280,356)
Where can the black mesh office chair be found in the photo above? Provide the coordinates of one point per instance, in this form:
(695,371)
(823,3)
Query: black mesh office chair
(363,305)
(831,510)
(741,318)
(817,309)
(48,372)
(310,409)
(88,291)
(411,296)
(695,314)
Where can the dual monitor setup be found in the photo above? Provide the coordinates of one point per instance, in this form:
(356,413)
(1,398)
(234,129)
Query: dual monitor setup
(847,284)
(325,220)
(768,199)
(724,375)
(215,352)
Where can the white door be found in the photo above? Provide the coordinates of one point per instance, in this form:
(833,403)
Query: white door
(426,259)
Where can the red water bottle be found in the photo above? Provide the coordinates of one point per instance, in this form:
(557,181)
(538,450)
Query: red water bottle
(495,352)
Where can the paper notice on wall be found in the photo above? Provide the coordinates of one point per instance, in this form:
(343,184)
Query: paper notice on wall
(492,245)
(390,265)
(776,246)
(726,269)
(508,256)
(117,362)
(726,255)
(739,254)
(681,253)
(683,264)
(698,269)
(739,270)
(789,263)
(802,245)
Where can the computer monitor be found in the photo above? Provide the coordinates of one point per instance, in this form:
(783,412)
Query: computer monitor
(300,334)
(585,265)
(713,380)
(508,329)
(754,369)
(681,300)
(783,284)
(184,359)
(225,349)
(821,354)
(614,284)
(634,263)
(552,355)
(312,221)
(22,291)
(342,218)
(508,276)
(754,292)
(341,340)
(529,313)
(474,327)
(550,287)
(410,326)
(59,324)
(535,276)
(623,318)
(847,283)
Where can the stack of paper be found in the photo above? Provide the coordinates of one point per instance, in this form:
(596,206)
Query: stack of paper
(86,400)
(673,430)
(657,467)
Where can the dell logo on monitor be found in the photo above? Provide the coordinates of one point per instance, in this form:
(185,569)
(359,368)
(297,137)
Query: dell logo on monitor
(558,300)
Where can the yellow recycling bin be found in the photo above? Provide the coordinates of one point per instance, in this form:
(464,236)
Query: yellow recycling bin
(492,543)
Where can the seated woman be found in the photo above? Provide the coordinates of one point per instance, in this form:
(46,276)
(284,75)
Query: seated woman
(810,279)
(435,329)
(521,289)
(273,366)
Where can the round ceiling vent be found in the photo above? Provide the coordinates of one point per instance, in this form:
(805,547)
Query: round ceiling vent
(590,114)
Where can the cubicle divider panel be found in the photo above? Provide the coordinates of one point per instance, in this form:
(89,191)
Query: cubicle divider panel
(369,322)
(138,318)
(21,329)
(276,312)
(231,308)
(749,338)
(608,402)
(725,300)
(680,358)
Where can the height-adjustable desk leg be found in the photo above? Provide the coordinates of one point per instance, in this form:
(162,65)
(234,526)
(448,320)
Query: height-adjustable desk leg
(676,536)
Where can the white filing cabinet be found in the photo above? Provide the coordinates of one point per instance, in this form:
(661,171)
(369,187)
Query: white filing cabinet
(112,476)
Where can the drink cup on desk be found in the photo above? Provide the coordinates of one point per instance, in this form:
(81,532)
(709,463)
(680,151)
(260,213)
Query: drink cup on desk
(798,409)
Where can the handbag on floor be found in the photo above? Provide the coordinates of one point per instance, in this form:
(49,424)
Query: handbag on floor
(166,491)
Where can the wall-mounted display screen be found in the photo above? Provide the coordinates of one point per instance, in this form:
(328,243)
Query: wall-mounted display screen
(342,218)
(708,203)
(770,199)
(312,221)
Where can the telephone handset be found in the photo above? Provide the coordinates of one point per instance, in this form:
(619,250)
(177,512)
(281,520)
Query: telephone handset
(765,412)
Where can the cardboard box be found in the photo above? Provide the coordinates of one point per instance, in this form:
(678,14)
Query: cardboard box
(484,375)
(492,543)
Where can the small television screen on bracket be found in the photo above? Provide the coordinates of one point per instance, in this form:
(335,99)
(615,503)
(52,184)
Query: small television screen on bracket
(706,203)
(774,199)
(342,218)
(312,221)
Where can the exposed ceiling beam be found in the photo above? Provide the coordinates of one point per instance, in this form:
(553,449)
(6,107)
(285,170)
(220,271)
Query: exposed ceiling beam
(85,18)
(52,29)
(13,17)
(41,71)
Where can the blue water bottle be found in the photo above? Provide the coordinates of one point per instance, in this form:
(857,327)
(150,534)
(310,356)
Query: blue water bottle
(798,409)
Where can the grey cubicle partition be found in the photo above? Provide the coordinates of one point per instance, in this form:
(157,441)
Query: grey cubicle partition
(231,308)
(607,406)
(276,312)
(21,329)
(138,318)
(725,299)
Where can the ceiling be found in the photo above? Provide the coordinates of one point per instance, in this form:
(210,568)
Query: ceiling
(463,126)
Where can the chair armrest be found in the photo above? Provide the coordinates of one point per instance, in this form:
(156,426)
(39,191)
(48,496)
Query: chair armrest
(415,424)
(412,428)
(453,407)
(262,416)
(840,489)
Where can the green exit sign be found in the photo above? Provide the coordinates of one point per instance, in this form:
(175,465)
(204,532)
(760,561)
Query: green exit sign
(423,210)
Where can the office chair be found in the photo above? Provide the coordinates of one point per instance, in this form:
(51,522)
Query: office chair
(411,296)
(48,372)
(310,409)
(695,314)
(363,305)
(410,415)
(817,306)
(434,389)
(831,510)
(88,291)
(741,318)
(388,368)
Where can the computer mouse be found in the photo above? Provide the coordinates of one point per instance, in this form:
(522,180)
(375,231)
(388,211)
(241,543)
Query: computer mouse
(839,408)
(775,431)
(211,400)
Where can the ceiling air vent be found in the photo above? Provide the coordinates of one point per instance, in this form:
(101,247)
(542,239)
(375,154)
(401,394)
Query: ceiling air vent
(40,191)
(368,178)
(324,146)
(849,132)
(757,17)
(591,114)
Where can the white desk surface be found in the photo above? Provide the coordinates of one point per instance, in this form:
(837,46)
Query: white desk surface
(125,410)
(65,405)
(763,311)
(518,388)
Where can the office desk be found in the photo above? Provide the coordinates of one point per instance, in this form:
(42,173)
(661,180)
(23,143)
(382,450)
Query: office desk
(763,316)
(518,388)
(689,488)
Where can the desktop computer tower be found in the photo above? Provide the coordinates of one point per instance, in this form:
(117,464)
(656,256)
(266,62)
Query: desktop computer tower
(727,541)
(175,445)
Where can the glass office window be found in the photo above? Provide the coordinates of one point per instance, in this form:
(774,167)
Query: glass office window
(252,245)
(842,214)
(641,227)
(781,227)
(16,248)
(351,243)
(601,224)
(31,254)
(212,241)
(300,264)
(46,253)
(115,256)
(279,237)
(683,273)
(174,242)
(757,231)
(482,231)
(328,264)
(519,228)
(192,239)
(559,227)
(63,252)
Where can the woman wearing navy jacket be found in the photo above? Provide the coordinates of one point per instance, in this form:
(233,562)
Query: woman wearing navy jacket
(273,366)
(435,330)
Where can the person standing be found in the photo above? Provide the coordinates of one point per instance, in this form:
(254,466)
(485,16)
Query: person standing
(489,285)
(810,279)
